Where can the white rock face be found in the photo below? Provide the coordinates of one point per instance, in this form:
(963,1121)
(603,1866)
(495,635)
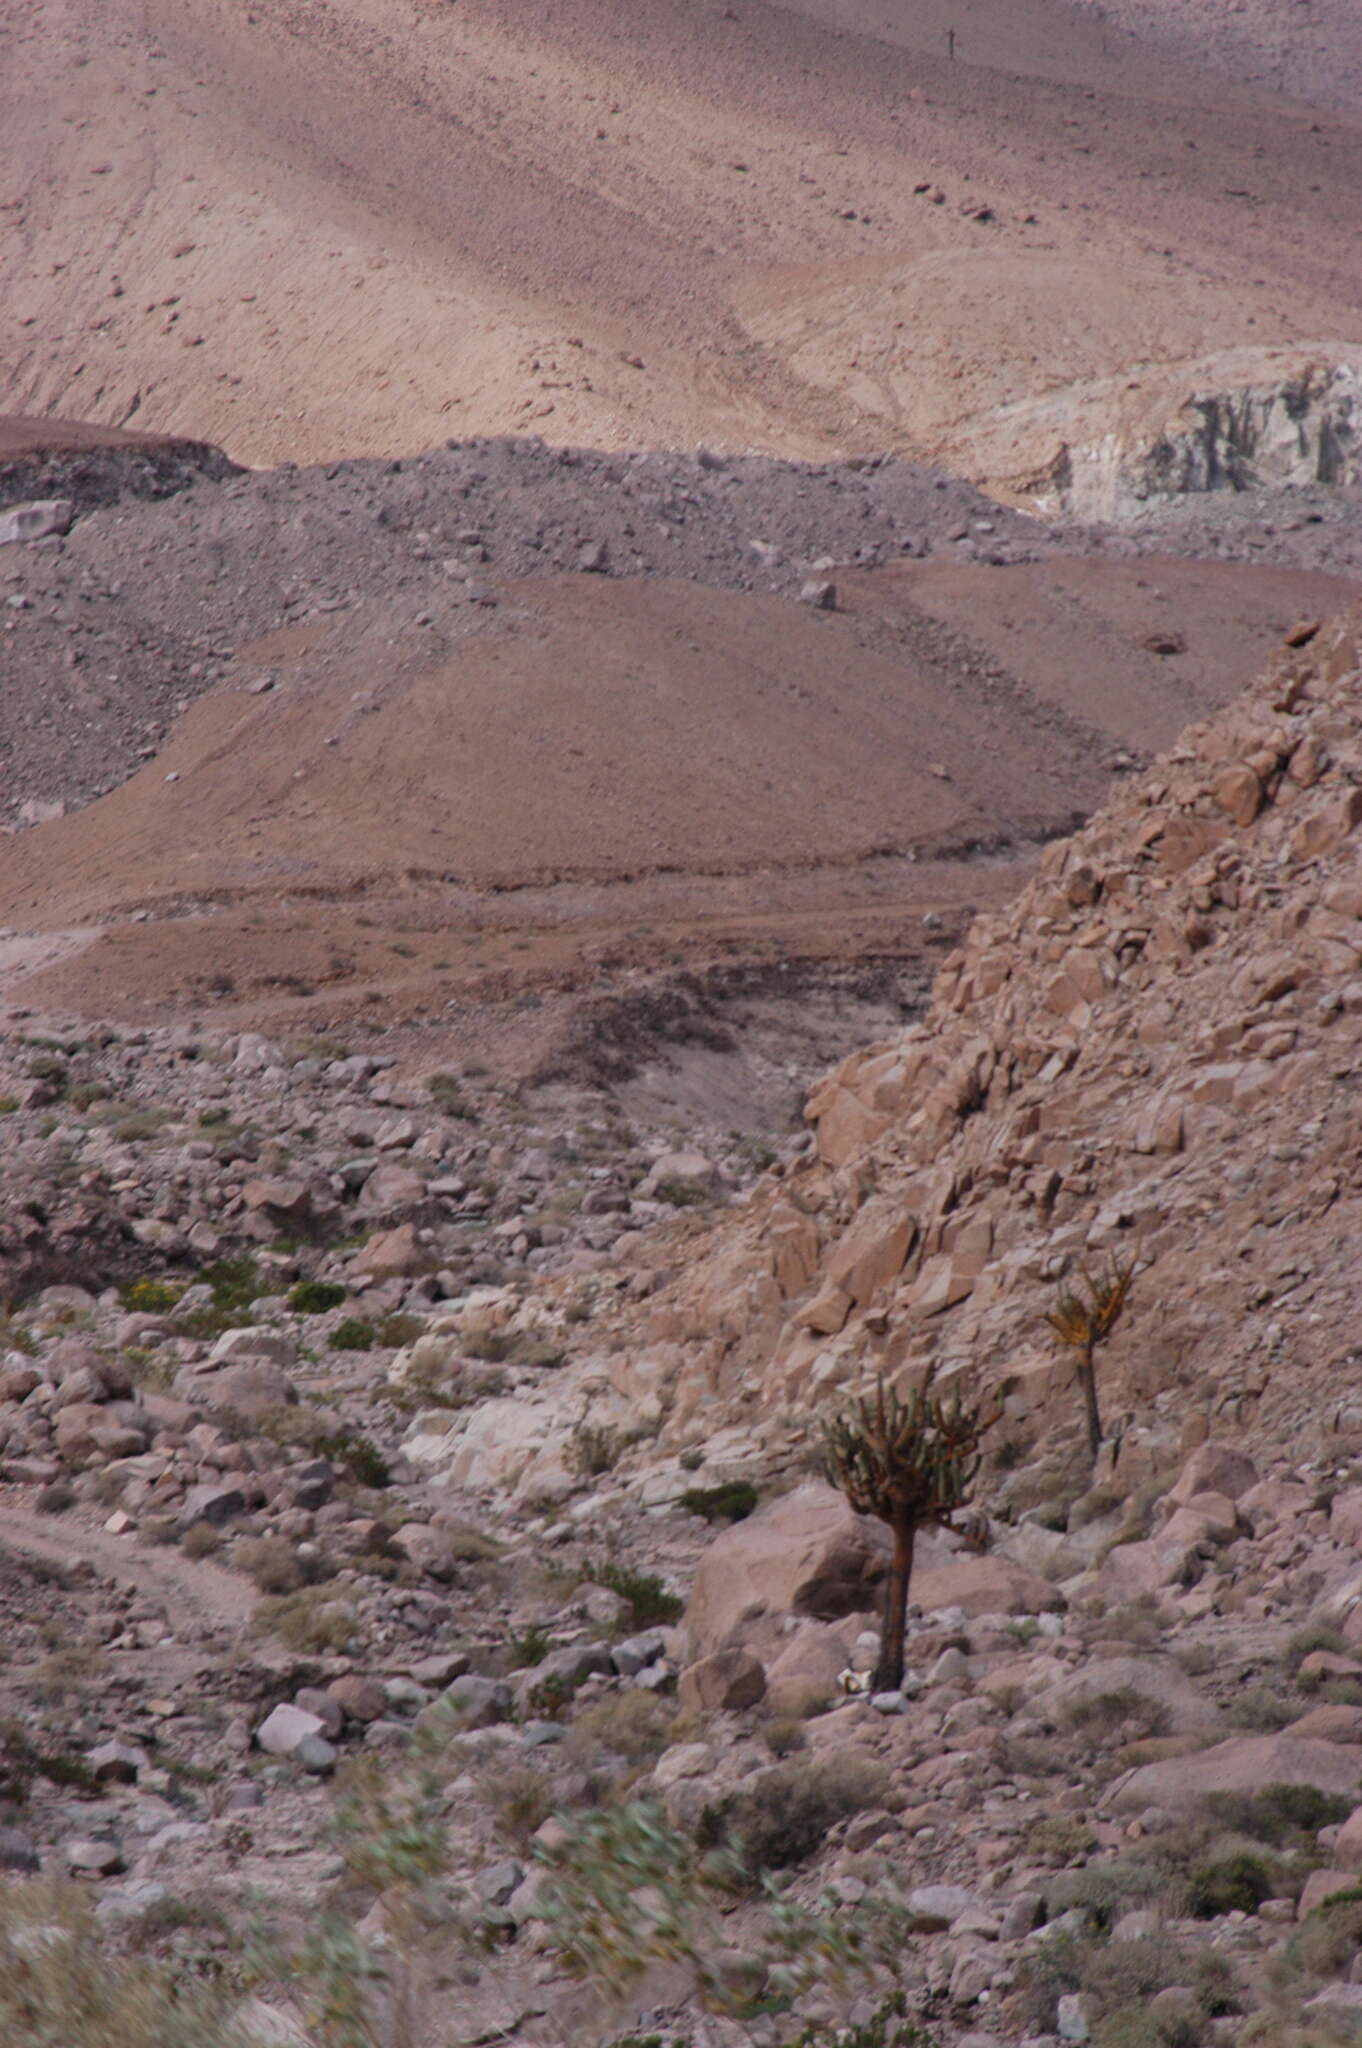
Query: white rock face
(35,520)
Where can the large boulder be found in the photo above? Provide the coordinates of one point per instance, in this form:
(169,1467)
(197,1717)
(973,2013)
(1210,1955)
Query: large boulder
(1247,1763)
(1214,1468)
(726,1682)
(981,1585)
(803,1676)
(1186,1710)
(806,1553)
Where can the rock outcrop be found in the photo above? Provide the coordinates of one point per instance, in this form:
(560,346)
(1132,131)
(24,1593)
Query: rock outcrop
(1155,1050)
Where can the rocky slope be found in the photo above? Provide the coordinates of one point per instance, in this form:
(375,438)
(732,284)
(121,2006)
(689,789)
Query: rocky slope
(1152,1048)
(462,1413)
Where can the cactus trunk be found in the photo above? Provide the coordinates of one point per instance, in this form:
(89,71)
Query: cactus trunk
(889,1671)
(1087,1379)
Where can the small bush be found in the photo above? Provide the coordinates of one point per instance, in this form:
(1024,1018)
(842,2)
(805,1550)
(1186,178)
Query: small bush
(1104,1891)
(635,1726)
(1102,1715)
(307,1621)
(397,1329)
(22,1759)
(1316,1637)
(682,1194)
(593,1449)
(625,1893)
(521,1798)
(652,1606)
(785,1813)
(61,1983)
(1261,1710)
(447,1094)
(55,1498)
(200,1541)
(1058,1838)
(524,1652)
(468,1545)
(353,1333)
(1287,1816)
(151,1297)
(233,1285)
(1120,1978)
(1236,1883)
(362,1459)
(315,1297)
(272,1562)
(492,1347)
(1321,1947)
(733,1502)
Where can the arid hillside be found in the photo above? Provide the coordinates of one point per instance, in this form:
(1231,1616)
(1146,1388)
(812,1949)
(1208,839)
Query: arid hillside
(364,225)
(1151,1054)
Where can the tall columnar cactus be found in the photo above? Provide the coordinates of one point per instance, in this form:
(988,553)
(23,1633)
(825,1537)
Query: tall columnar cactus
(911,1464)
(1084,1323)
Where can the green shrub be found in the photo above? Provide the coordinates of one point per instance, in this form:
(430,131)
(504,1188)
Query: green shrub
(625,1892)
(1284,1815)
(63,1986)
(651,1605)
(1318,1636)
(732,1502)
(521,1799)
(1058,1838)
(272,1562)
(447,1094)
(1102,1715)
(1261,1710)
(310,1620)
(1119,1979)
(593,1449)
(1322,1946)
(635,1726)
(353,1333)
(315,1297)
(234,1284)
(523,1652)
(22,1760)
(397,1329)
(361,1458)
(784,1814)
(682,1194)
(1229,1884)
(1104,1891)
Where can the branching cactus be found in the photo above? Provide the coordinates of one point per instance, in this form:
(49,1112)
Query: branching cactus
(1083,1321)
(911,1464)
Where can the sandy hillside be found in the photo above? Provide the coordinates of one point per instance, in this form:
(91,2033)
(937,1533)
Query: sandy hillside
(640,773)
(369,224)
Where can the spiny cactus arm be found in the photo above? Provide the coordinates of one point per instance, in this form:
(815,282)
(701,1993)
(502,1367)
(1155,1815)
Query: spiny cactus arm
(907,1460)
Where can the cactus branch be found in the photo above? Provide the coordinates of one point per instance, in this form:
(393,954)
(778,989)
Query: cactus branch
(911,1464)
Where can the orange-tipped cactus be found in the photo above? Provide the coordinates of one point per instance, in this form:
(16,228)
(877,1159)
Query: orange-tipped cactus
(1082,1324)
